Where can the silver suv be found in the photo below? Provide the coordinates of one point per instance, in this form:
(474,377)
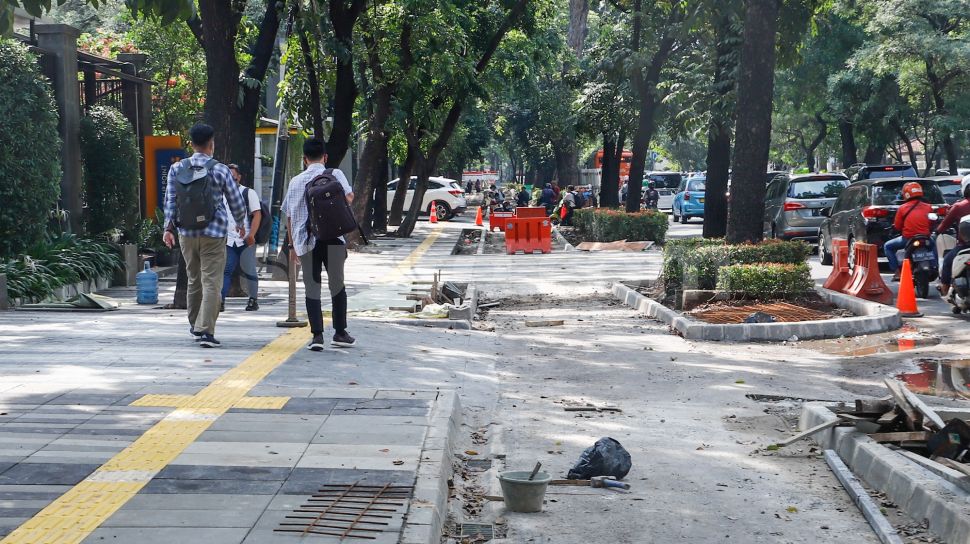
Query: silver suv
(794,204)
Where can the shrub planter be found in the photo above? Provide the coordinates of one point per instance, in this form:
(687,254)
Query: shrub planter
(870,317)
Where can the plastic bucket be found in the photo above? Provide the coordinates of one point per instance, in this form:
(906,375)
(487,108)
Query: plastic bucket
(522,494)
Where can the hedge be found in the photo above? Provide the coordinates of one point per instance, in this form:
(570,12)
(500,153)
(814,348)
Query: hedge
(30,150)
(765,280)
(111,172)
(695,264)
(601,225)
(56,262)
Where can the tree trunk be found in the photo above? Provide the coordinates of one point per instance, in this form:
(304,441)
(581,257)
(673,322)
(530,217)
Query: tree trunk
(910,152)
(343,17)
(374,151)
(316,108)
(823,131)
(718,166)
(756,80)
(567,160)
(874,154)
(950,149)
(219,29)
(380,195)
(578,25)
(850,153)
(400,194)
(609,195)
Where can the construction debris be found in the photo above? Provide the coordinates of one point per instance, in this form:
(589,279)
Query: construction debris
(546,323)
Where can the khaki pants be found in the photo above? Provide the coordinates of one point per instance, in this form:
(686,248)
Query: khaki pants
(205,262)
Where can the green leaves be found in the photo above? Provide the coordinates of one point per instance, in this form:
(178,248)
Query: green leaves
(765,280)
(111,175)
(601,225)
(59,261)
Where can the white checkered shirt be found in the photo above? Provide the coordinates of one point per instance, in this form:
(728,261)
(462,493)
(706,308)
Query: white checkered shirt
(294,206)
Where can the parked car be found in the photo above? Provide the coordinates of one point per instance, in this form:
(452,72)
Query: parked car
(689,200)
(858,172)
(666,183)
(950,187)
(771,175)
(447,194)
(794,204)
(865,211)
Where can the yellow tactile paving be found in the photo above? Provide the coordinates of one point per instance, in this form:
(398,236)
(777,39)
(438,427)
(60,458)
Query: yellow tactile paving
(77,513)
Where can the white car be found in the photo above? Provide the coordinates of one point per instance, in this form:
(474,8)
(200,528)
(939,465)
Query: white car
(447,194)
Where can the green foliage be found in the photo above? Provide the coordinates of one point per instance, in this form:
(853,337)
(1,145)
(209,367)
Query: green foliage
(111,174)
(600,225)
(30,162)
(695,264)
(765,280)
(57,262)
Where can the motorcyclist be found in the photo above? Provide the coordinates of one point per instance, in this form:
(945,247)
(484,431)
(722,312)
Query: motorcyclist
(522,199)
(651,197)
(912,219)
(956,214)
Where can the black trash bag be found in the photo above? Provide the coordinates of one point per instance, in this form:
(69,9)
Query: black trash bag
(604,458)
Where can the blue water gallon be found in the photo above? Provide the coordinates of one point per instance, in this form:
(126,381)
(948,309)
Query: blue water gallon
(146,282)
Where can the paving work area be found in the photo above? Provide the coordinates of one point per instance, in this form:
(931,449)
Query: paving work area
(117,428)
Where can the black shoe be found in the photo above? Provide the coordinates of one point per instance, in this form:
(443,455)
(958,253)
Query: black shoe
(252,306)
(317,343)
(343,340)
(222,306)
(209,341)
(196,335)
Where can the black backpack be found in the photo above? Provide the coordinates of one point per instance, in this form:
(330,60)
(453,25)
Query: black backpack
(330,215)
(580,199)
(265,220)
(195,203)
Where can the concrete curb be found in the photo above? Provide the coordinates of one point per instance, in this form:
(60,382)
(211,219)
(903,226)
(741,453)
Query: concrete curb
(871,317)
(457,320)
(918,491)
(424,522)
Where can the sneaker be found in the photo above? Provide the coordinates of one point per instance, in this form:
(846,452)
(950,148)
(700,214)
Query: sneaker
(316,343)
(343,340)
(209,341)
(196,335)
(252,306)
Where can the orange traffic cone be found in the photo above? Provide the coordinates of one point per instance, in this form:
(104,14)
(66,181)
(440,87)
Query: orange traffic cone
(434,212)
(478,218)
(906,300)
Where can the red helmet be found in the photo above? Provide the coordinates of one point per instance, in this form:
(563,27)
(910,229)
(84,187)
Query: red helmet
(912,190)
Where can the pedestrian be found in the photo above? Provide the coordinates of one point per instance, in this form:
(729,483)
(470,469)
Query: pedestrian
(547,198)
(468,188)
(478,186)
(623,192)
(522,199)
(194,206)
(317,255)
(569,205)
(240,251)
(556,190)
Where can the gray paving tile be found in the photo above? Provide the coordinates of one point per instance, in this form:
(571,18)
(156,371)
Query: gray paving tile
(400,436)
(236,517)
(19,512)
(144,501)
(306,481)
(262,436)
(97,399)
(166,535)
(47,473)
(209,472)
(29,495)
(296,406)
(220,487)
(5,466)
(383,403)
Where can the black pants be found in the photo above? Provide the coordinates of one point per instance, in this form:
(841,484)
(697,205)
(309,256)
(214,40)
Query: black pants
(330,255)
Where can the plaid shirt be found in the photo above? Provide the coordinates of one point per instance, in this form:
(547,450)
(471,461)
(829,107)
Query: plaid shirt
(224,186)
(294,206)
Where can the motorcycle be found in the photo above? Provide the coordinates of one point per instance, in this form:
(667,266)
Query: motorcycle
(923,262)
(959,295)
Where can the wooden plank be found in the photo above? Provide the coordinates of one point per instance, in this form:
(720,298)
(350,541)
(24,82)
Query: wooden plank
(888,417)
(959,467)
(921,406)
(546,323)
(809,432)
(880,525)
(900,437)
(913,421)
(878,406)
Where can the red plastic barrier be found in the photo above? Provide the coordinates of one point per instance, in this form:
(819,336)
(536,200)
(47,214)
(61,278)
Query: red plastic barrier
(840,276)
(528,234)
(496,220)
(532,211)
(866,282)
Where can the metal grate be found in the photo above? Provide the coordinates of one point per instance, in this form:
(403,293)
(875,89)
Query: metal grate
(348,511)
(477,532)
(781,311)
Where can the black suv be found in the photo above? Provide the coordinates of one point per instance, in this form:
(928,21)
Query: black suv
(858,172)
(865,210)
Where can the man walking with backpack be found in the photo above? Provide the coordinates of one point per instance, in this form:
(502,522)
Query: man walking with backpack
(242,252)
(317,206)
(194,206)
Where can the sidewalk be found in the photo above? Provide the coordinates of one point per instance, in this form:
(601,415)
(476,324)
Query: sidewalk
(117,427)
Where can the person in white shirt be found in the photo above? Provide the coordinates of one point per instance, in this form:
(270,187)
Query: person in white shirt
(316,255)
(241,251)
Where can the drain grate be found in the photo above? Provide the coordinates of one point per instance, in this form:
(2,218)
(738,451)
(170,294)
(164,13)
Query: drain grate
(348,511)
(478,465)
(481,532)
